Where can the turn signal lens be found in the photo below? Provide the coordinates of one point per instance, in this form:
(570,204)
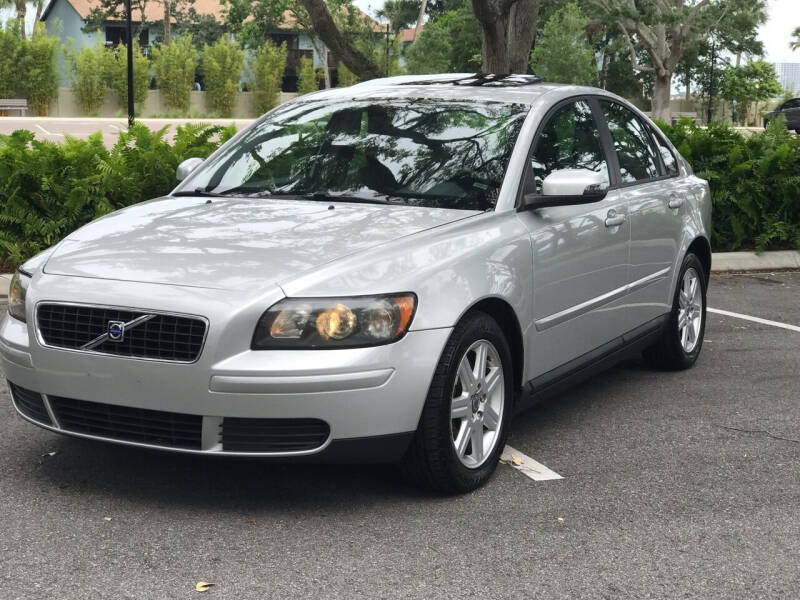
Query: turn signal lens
(305,323)
(17,291)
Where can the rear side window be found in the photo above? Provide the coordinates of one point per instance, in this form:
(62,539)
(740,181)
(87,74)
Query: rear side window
(667,157)
(636,155)
(793,103)
(569,140)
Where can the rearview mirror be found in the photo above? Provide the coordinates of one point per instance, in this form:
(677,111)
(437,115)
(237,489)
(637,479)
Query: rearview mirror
(566,187)
(186,167)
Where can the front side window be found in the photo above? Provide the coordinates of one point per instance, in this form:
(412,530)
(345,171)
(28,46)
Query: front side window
(448,154)
(637,159)
(569,140)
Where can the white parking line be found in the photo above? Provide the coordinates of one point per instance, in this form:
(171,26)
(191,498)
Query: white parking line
(527,466)
(44,131)
(727,313)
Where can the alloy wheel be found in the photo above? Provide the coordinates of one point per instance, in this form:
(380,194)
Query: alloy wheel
(690,310)
(477,404)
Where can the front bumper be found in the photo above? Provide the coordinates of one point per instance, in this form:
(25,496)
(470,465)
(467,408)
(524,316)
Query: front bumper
(363,394)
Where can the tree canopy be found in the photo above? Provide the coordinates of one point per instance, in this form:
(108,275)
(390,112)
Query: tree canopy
(564,54)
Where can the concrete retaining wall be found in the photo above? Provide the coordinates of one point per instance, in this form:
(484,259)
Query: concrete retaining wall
(66,105)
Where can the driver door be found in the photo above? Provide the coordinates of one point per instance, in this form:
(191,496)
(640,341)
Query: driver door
(580,252)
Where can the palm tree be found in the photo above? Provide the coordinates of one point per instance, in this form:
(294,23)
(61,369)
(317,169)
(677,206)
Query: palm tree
(39,4)
(19,5)
(795,43)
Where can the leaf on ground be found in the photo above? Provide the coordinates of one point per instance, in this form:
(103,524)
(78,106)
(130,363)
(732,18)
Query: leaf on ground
(106,518)
(516,461)
(202,586)
(560,518)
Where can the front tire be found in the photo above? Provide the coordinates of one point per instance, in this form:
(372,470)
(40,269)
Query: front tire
(682,339)
(464,423)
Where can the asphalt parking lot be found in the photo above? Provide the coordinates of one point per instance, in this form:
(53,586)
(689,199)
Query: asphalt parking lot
(675,485)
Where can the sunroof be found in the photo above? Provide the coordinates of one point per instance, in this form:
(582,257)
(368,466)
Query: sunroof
(482,80)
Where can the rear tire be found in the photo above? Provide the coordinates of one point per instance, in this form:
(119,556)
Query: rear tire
(682,339)
(464,423)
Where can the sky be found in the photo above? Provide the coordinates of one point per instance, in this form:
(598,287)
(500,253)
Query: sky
(784,16)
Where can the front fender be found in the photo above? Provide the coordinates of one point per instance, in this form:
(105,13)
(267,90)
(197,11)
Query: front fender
(450,268)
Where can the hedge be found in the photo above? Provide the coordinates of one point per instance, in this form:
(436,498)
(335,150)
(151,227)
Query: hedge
(754,180)
(49,189)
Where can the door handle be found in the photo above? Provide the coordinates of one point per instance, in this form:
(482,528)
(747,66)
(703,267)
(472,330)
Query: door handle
(613,219)
(675,202)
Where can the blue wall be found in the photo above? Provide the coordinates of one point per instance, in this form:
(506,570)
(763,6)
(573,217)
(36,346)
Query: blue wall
(65,23)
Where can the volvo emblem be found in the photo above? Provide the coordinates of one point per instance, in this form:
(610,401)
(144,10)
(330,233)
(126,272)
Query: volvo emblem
(116,331)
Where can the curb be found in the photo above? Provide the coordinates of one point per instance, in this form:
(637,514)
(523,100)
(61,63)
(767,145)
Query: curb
(721,262)
(779,260)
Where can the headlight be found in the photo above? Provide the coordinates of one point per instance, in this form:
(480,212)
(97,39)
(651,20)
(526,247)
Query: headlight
(304,323)
(16,295)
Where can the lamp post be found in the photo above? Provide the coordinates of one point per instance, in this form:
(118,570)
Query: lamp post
(129,51)
(710,111)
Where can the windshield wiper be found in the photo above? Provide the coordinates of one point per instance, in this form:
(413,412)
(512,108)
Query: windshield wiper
(333,197)
(200,192)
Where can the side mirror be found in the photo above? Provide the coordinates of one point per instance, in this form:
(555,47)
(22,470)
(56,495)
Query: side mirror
(566,187)
(186,167)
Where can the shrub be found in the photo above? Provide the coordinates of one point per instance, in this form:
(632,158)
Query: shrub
(39,68)
(115,69)
(266,73)
(307,81)
(86,69)
(755,182)
(345,76)
(222,68)
(175,65)
(11,51)
(48,190)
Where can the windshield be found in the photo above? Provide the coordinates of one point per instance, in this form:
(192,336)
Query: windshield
(421,152)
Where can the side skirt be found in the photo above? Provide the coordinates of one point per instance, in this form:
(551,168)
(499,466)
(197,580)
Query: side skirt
(593,362)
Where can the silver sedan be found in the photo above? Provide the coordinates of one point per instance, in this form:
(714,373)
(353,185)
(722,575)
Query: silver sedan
(387,272)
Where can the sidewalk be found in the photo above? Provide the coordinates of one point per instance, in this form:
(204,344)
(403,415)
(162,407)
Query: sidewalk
(721,262)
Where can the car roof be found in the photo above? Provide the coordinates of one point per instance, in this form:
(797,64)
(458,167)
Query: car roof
(518,89)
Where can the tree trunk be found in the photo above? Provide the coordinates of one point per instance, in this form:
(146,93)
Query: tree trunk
(325,28)
(509,28)
(39,10)
(21,6)
(167,21)
(688,90)
(422,8)
(661,93)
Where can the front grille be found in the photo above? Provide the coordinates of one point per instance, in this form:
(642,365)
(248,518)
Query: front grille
(30,404)
(156,427)
(163,337)
(273,435)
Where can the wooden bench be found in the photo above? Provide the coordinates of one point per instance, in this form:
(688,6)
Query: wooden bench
(19,104)
(692,116)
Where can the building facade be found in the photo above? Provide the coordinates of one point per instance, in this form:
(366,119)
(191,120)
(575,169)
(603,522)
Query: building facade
(67,20)
(789,76)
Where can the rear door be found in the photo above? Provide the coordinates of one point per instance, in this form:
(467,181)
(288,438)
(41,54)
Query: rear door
(650,182)
(580,253)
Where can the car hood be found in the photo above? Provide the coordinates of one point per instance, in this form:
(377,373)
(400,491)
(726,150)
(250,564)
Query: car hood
(233,243)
